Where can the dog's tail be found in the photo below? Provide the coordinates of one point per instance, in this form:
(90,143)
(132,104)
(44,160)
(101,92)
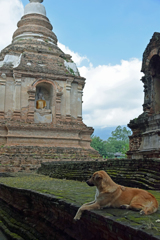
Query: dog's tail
(150,207)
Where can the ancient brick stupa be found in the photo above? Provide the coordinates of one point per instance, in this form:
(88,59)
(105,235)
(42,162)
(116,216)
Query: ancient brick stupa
(145,141)
(40,88)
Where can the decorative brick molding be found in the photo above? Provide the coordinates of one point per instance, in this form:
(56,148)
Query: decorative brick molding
(31,100)
(1,114)
(2,95)
(58,104)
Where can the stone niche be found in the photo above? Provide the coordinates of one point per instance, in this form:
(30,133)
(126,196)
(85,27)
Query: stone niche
(45,92)
(145,140)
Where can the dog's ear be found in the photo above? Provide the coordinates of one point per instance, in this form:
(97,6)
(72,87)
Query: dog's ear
(97,176)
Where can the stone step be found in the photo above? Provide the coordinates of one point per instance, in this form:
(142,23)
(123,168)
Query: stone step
(8,234)
(13,228)
(148,178)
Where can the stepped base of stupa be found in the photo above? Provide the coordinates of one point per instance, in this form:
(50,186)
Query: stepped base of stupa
(24,146)
(29,158)
(62,134)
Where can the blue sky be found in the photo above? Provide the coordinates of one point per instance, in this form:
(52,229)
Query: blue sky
(107,40)
(103,30)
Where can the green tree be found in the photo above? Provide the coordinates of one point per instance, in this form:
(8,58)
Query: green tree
(98,144)
(121,134)
(109,149)
(118,142)
(119,139)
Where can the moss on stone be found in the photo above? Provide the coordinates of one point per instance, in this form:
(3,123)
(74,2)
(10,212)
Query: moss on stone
(11,226)
(79,193)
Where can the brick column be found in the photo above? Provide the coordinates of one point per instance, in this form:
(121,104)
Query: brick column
(17,111)
(2,94)
(79,102)
(31,100)
(58,104)
(68,98)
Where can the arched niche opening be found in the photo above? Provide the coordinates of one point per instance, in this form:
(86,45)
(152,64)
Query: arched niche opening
(44,102)
(154,68)
(46,91)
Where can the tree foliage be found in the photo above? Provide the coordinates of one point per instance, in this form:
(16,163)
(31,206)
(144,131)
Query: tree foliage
(121,133)
(99,145)
(118,142)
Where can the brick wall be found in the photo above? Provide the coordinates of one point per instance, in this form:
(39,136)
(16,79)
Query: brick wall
(33,216)
(28,158)
(144,173)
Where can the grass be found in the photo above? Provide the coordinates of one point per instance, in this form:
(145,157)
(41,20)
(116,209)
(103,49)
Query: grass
(65,189)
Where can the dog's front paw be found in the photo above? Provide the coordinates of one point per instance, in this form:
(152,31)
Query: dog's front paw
(124,206)
(142,212)
(76,218)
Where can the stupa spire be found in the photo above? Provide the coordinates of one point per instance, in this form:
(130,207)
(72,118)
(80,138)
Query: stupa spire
(39,1)
(35,7)
(34,24)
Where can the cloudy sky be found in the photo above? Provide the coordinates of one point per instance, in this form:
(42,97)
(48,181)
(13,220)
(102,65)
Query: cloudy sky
(107,40)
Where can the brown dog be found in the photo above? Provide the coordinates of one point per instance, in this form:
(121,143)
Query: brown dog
(110,194)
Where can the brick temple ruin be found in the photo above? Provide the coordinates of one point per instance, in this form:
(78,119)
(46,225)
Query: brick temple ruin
(145,140)
(40,93)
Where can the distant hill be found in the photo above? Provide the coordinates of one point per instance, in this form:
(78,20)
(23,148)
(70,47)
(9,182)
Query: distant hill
(105,133)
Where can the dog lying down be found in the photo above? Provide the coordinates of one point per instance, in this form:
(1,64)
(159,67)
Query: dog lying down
(110,194)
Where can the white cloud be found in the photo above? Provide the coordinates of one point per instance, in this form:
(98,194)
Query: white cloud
(113,95)
(75,56)
(10,13)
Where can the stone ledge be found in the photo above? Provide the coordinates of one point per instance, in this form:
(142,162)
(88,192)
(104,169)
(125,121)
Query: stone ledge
(51,216)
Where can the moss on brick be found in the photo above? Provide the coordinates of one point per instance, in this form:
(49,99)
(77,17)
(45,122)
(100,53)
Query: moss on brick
(76,192)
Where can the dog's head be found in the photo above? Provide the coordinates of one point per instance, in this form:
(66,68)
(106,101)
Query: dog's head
(97,178)
(102,181)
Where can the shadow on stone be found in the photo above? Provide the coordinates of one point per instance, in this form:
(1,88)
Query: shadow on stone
(5,175)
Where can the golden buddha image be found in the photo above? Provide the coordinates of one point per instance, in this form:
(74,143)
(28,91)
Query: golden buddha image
(40,104)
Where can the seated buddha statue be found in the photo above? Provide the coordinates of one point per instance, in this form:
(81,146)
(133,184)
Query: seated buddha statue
(40,104)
